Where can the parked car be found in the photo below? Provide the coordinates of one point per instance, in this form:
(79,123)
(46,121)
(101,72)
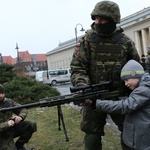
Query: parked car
(53,77)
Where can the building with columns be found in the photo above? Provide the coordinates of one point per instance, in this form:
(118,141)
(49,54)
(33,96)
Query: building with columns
(136,26)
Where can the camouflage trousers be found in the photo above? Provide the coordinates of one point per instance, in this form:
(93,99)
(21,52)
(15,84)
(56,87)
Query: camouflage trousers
(93,123)
(22,130)
(7,142)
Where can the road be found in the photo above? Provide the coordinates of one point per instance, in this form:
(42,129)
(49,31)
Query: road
(65,89)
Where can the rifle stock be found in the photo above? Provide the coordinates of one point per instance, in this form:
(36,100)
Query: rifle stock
(88,92)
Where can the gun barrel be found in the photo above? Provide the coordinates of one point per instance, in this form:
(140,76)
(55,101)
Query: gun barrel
(30,105)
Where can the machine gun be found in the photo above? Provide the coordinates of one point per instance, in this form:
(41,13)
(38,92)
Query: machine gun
(78,94)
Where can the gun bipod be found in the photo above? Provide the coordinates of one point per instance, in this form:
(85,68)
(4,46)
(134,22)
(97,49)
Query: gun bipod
(61,119)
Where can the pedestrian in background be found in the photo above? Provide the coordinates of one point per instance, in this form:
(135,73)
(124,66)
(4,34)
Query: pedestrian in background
(147,60)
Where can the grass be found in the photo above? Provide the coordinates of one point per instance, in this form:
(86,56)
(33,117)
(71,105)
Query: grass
(48,137)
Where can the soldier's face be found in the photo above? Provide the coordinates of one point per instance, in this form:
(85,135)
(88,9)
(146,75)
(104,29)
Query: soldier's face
(2,95)
(131,83)
(101,20)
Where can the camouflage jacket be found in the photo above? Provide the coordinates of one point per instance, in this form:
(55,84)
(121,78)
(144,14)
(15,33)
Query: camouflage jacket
(5,116)
(89,57)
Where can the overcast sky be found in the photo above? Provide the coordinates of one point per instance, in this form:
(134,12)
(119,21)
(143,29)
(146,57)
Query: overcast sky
(40,25)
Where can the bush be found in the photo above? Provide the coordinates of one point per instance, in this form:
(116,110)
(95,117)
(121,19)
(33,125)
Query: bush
(7,73)
(25,90)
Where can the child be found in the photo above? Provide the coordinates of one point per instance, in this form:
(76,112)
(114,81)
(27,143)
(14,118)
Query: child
(136,129)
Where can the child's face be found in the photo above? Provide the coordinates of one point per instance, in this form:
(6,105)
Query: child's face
(131,83)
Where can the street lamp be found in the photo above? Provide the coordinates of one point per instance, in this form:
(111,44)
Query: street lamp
(1,59)
(17,52)
(76,31)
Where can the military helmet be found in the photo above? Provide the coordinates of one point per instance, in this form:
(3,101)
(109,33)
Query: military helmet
(107,9)
(2,90)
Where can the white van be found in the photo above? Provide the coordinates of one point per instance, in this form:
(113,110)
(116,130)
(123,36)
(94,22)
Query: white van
(53,77)
(39,76)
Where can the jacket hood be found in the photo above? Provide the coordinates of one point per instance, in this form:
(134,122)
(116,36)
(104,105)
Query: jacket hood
(145,80)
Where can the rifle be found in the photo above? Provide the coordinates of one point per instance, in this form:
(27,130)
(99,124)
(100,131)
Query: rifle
(77,94)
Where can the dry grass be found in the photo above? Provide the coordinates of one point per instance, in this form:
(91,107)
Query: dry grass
(48,137)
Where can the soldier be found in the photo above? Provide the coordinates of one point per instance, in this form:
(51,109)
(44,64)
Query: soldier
(147,60)
(13,124)
(102,53)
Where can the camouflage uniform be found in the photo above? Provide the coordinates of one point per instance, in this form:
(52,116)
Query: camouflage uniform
(23,130)
(98,58)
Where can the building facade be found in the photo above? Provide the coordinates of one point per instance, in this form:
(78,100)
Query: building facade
(136,26)
(60,57)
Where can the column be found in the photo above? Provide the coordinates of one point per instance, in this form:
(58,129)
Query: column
(148,36)
(144,40)
(137,42)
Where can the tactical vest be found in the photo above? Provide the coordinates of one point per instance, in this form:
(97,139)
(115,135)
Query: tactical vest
(107,57)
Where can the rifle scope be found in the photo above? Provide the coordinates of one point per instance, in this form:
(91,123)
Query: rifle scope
(92,87)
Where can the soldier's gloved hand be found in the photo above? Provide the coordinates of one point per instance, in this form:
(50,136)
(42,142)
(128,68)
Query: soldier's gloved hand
(87,102)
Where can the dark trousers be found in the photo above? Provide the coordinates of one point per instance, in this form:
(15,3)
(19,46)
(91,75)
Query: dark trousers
(93,125)
(23,131)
